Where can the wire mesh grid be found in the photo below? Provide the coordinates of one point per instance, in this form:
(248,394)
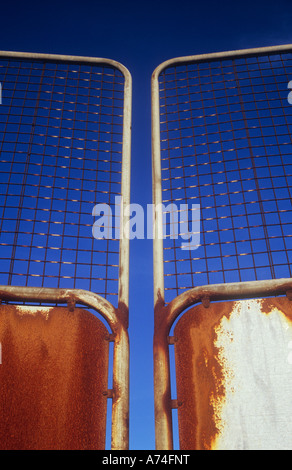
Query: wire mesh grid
(60,154)
(225,127)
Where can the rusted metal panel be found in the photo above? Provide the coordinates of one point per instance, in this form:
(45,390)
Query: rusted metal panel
(233,372)
(53,378)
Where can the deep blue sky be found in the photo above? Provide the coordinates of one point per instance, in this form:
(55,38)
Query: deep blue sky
(141,35)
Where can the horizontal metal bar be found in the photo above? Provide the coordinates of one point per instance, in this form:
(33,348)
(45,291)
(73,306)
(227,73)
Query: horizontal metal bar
(221,55)
(63,296)
(67,58)
(228,291)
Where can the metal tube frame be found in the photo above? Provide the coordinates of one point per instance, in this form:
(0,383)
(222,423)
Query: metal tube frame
(117,318)
(165,315)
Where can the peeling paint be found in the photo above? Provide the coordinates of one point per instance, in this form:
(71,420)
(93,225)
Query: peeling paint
(234,378)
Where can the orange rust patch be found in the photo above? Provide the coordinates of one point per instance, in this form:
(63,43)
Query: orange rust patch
(52,379)
(283,304)
(200,378)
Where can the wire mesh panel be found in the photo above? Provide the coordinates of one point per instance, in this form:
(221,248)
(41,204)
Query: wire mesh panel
(61,144)
(222,173)
(225,139)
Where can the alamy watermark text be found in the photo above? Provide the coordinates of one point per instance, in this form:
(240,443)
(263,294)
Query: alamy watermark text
(173,221)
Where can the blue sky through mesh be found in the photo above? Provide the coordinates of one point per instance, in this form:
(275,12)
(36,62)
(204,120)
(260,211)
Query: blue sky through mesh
(226,145)
(61,153)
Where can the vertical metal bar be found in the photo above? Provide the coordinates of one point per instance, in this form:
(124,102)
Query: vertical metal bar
(157,195)
(120,406)
(162,396)
(125,191)
(162,385)
(120,412)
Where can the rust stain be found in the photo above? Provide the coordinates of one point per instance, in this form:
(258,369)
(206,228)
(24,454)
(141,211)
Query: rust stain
(282,304)
(200,378)
(123,314)
(200,370)
(52,379)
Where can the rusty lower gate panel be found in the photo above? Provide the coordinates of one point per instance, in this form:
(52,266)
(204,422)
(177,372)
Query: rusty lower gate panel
(53,378)
(234,375)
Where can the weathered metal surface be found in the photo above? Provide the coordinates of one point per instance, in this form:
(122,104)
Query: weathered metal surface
(165,317)
(117,320)
(53,378)
(234,380)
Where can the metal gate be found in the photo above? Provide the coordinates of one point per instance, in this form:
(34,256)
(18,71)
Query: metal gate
(65,159)
(221,136)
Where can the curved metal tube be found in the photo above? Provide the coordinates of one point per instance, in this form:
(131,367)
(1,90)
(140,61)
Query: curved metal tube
(229,291)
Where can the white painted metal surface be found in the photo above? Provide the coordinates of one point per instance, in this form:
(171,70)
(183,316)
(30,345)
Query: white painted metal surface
(254,351)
